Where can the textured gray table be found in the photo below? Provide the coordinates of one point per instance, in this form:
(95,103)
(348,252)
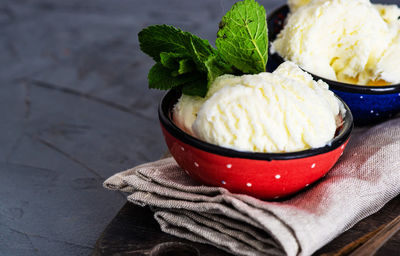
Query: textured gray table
(75,108)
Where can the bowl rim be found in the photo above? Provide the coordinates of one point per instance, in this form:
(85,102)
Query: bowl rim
(165,111)
(334,85)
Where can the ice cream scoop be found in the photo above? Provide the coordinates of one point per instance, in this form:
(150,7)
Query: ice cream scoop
(283,111)
(351,41)
(295,4)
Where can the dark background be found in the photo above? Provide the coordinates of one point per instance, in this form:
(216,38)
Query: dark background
(75,109)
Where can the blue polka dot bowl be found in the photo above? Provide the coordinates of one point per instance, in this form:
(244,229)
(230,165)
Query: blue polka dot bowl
(368,104)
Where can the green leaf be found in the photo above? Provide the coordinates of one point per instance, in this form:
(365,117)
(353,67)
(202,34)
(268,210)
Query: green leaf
(242,39)
(210,63)
(182,60)
(171,60)
(161,78)
(186,66)
(200,54)
(178,65)
(197,87)
(216,67)
(162,38)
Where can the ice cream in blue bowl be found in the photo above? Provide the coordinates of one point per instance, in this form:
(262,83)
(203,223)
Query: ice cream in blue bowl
(358,57)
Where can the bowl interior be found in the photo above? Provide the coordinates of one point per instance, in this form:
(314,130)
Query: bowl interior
(165,116)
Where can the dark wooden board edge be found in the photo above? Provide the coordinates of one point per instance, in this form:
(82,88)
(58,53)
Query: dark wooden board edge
(134,231)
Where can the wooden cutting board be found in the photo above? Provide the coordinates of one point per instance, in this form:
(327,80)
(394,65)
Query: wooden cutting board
(134,231)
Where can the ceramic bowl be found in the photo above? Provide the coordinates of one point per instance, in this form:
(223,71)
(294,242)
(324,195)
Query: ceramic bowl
(262,175)
(369,104)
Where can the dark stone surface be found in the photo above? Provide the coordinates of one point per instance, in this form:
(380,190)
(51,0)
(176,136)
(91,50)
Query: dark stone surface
(75,109)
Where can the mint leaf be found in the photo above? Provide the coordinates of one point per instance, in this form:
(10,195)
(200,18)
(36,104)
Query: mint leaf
(215,68)
(183,60)
(186,66)
(171,59)
(197,87)
(192,64)
(210,63)
(242,39)
(200,54)
(162,38)
(161,78)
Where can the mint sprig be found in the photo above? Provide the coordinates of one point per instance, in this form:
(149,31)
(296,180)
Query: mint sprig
(190,63)
(183,60)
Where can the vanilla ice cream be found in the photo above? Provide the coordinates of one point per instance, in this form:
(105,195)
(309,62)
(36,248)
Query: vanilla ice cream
(283,111)
(295,4)
(351,41)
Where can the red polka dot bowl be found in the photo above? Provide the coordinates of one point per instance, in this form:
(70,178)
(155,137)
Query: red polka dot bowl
(262,175)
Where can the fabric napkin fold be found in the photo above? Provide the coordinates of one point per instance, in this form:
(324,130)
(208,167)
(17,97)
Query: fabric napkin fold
(366,177)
